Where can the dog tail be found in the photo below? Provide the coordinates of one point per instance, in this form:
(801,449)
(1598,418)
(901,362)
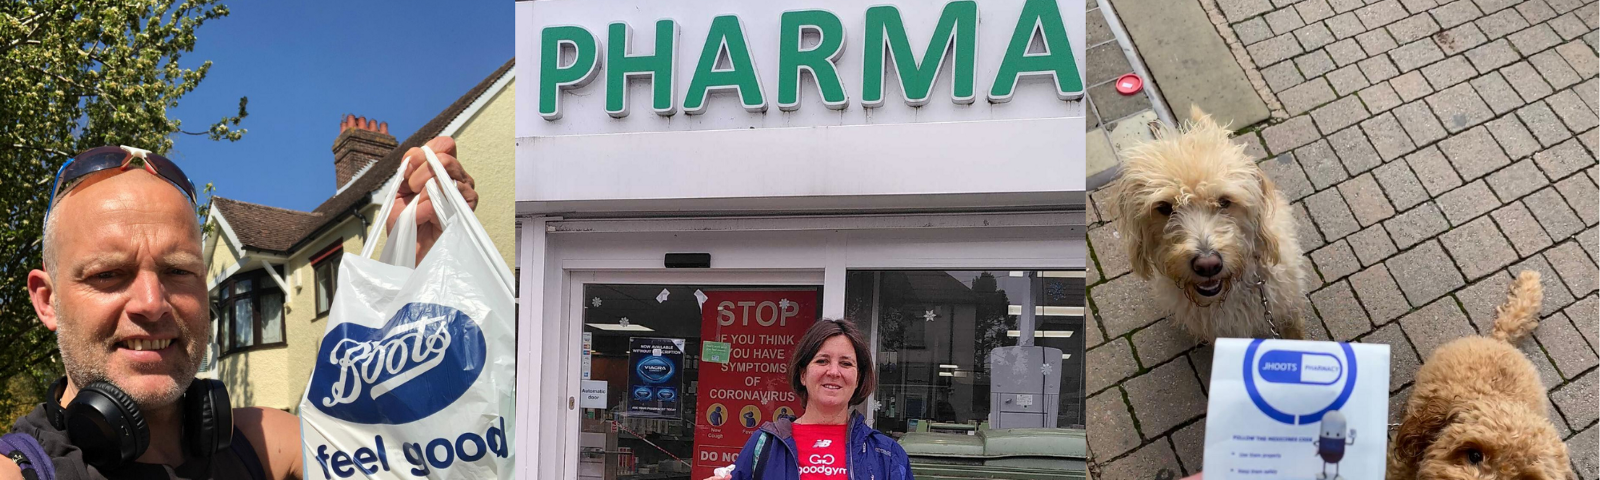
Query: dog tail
(1520,314)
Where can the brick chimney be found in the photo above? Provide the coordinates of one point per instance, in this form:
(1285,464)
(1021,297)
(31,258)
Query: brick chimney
(361,142)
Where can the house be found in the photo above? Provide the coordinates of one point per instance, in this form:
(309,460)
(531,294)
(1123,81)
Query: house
(272,271)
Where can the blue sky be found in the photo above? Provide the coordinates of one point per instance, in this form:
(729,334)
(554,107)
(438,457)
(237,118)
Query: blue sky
(305,64)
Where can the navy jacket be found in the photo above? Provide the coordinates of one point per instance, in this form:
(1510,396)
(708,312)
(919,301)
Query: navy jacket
(872,454)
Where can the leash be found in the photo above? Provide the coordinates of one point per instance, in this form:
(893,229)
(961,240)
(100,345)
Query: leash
(1262,289)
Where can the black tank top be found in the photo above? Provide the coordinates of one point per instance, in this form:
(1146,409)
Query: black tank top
(238,461)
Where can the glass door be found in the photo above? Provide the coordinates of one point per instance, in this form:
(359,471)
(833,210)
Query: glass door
(675,378)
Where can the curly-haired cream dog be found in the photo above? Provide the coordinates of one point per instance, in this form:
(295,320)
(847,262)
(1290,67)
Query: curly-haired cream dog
(1478,410)
(1215,239)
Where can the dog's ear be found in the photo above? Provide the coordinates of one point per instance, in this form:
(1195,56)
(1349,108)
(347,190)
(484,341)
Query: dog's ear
(1131,210)
(1425,416)
(1269,241)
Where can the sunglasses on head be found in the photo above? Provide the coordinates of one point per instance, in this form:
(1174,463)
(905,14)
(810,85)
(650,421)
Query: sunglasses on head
(111,156)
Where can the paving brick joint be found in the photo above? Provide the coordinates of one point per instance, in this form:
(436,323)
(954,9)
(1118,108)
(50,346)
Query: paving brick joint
(1431,150)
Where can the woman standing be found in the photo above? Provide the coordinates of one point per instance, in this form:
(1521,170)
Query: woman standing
(831,370)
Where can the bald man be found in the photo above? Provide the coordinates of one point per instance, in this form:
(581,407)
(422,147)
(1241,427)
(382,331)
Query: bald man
(123,286)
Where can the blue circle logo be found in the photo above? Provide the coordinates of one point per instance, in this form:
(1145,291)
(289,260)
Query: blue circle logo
(1291,368)
(420,362)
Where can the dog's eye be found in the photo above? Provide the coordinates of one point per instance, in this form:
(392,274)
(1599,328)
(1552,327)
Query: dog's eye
(1224,202)
(1474,456)
(1164,208)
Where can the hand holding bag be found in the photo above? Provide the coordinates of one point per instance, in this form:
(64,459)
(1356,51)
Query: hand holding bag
(416,374)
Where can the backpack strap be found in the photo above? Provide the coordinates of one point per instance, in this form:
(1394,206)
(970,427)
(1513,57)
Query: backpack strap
(755,465)
(28,455)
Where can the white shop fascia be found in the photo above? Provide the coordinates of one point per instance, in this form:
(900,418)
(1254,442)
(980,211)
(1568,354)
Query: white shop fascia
(642,108)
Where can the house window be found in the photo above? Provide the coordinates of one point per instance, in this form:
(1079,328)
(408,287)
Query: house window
(250,312)
(326,266)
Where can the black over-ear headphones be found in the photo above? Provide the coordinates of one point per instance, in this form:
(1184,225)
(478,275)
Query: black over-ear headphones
(105,423)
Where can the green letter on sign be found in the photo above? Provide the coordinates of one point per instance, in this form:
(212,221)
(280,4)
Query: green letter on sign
(1038,17)
(957,30)
(725,37)
(553,78)
(658,67)
(818,60)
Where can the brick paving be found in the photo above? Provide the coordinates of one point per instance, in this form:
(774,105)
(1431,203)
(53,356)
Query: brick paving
(1432,150)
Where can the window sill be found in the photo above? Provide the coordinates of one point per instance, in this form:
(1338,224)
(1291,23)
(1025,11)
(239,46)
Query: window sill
(251,348)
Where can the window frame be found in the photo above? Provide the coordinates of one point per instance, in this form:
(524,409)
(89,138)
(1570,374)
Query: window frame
(328,256)
(262,286)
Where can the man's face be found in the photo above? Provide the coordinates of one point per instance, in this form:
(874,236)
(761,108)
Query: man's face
(128,297)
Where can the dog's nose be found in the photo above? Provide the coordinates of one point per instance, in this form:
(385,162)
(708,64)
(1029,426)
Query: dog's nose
(1206,265)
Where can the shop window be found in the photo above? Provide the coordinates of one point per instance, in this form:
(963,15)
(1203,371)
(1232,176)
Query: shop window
(950,344)
(325,266)
(250,312)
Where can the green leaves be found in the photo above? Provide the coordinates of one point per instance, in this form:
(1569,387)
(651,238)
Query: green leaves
(79,74)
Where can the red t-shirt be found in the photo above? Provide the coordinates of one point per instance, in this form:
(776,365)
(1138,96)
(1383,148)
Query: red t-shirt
(822,451)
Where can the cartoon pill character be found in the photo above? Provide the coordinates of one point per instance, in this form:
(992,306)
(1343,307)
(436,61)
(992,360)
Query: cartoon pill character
(1331,442)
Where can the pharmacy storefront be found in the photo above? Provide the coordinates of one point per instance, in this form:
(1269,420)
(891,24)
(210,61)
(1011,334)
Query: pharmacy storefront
(698,181)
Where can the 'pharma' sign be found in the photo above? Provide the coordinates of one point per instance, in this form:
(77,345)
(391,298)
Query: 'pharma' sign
(646,105)
(736,61)
(725,62)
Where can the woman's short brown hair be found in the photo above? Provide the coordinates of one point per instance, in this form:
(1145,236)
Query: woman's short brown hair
(806,349)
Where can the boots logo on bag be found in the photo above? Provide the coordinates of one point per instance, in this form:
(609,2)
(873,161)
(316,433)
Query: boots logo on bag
(420,362)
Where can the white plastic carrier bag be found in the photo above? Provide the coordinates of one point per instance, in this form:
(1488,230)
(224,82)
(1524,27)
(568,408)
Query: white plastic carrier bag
(1297,410)
(415,376)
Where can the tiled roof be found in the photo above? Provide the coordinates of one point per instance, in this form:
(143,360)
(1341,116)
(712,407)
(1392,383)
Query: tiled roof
(284,231)
(263,227)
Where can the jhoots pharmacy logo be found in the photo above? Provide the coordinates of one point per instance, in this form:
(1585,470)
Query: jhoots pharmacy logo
(1297,383)
(420,362)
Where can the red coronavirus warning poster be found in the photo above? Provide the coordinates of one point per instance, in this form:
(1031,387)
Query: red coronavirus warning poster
(760,329)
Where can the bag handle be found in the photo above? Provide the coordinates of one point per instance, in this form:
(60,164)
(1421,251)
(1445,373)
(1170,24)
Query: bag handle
(448,205)
(463,211)
(389,190)
(755,463)
(401,247)
(30,457)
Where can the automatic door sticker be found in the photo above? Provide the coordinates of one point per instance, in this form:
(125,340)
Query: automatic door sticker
(420,362)
(1298,387)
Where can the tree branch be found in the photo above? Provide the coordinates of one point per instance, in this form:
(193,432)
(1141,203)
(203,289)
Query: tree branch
(26,39)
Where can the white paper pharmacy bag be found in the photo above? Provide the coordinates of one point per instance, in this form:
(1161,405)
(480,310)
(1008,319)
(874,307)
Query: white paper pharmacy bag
(1297,410)
(415,376)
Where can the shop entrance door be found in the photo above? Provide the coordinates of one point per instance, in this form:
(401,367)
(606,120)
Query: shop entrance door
(676,373)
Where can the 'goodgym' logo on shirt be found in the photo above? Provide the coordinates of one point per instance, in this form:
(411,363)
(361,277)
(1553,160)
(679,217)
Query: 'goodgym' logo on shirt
(419,363)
